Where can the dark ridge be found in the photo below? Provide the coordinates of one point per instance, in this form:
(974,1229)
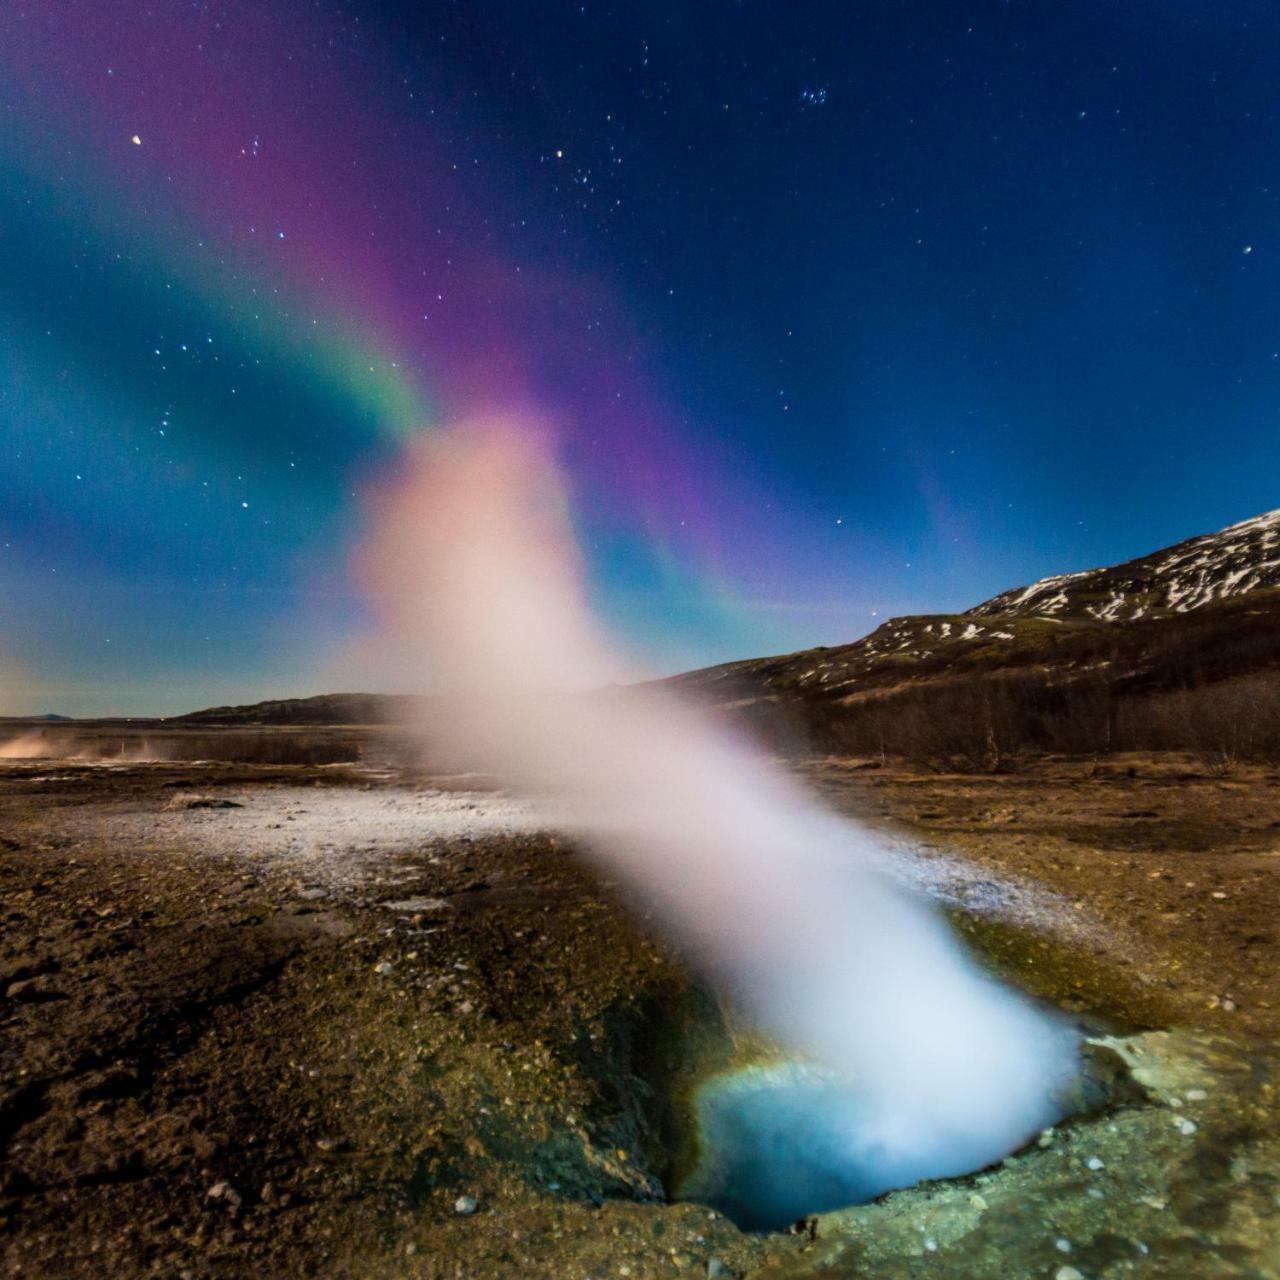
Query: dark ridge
(323,709)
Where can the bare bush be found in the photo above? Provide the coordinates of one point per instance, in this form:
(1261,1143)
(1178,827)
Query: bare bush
(1226,722)
(989,722)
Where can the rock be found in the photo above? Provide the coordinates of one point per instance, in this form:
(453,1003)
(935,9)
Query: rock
(224,1192)
(716,1270)
(1094,1163)
(383,968)
(23,967)
(465,1205)
(1067,1273)
(417,906)
(1185,1127)
(31,990)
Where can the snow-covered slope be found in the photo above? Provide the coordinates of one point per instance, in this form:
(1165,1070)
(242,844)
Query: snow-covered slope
(1048,624)
(1213,566)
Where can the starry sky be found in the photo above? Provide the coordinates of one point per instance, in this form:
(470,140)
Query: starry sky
(836,310)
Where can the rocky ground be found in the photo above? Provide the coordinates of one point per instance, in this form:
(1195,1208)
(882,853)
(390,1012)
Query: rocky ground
(329,1020)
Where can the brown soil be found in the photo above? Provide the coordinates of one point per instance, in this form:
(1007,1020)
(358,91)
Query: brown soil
(226,1049)
(1178,867)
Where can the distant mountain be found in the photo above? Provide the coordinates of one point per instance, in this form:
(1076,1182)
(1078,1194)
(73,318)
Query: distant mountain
(325,709)
(1192,616)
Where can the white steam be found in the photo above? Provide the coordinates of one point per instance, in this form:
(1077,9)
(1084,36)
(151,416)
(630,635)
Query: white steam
(25,746)
(473,564)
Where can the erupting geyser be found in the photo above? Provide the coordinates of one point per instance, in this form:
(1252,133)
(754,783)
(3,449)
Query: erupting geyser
(473,565)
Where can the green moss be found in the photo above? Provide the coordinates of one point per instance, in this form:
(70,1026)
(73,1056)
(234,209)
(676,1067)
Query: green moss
(1068,976)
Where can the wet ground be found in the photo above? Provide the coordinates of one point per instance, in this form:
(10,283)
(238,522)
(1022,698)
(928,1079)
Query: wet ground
(326,1020)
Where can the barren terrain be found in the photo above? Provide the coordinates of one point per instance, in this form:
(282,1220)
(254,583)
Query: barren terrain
(340,1020)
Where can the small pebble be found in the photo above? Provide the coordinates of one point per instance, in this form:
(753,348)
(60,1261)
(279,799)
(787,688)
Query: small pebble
(978,1202)
(930,1244)
(1062,1244)
(1186,1127)
(1067,1273)
(1094,1163)
(383,967)
(1195,1095)
(465,1205)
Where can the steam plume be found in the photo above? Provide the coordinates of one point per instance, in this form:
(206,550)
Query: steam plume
(24,746)
(473,563)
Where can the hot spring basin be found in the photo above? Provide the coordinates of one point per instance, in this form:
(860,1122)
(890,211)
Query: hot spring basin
(779,1141)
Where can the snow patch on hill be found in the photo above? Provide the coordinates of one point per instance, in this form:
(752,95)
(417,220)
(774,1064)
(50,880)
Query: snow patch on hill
(1214,566)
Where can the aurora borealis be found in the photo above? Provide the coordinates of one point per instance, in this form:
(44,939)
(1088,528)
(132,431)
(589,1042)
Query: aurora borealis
(815,352)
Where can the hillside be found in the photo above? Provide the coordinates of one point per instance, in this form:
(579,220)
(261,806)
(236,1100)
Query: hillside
(324,709)
(1187,576)
(1178,648)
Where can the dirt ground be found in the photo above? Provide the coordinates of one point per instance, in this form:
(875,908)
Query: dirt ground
(1170,872)
(326,1020)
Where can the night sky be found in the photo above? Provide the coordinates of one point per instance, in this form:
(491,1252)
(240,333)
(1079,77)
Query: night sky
(837,310)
